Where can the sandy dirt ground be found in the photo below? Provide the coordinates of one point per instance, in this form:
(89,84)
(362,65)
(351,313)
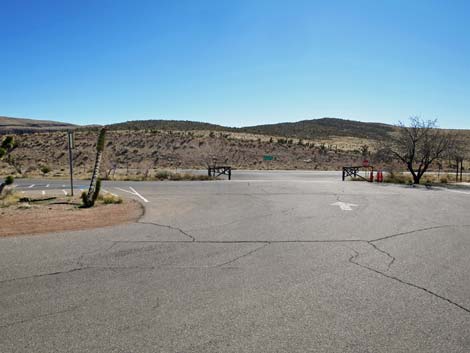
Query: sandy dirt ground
(48,218)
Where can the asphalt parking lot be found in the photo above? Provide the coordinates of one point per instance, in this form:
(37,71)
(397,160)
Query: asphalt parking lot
(267,262)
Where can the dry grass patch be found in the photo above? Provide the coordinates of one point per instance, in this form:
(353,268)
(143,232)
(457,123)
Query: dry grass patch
(108,198)
(9,198)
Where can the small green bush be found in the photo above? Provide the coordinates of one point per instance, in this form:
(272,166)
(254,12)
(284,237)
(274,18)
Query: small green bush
(9,180)
(8,143)
(45,169)
(162,175)
(83,197)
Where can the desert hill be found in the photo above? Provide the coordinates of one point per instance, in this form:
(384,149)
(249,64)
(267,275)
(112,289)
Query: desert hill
(305,129)
(20,126)
(140,148)
(168,125)
(324,128)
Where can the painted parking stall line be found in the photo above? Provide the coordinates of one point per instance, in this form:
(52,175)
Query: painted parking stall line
(457,191)
(109,192)
(133,192)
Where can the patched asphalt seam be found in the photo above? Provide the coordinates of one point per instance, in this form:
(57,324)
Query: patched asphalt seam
(356,255)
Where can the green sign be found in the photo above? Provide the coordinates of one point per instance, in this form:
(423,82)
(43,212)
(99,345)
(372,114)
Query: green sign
(268,158)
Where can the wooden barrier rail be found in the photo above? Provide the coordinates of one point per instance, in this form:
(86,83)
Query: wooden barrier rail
(216,171)
(354,172)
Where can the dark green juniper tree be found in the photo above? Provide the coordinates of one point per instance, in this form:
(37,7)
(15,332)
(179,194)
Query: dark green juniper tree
(8,144)
(8,181)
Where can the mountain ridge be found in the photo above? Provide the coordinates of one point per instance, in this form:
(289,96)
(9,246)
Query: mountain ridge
(322,128)
(24,125)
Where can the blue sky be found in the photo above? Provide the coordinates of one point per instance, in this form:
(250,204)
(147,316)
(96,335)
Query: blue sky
(235,62)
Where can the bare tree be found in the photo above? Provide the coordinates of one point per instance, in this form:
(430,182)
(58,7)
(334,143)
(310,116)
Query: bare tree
(457,153)
(418,145)
(364,150)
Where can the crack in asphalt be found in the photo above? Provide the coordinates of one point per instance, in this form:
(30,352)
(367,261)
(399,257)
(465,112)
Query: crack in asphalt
(245,241)
(353,258)
(264,243)
(112,268)
(392,258)
(242,256)
(44,274)
(172,228)
(79,261)
(411,232)
(75,307)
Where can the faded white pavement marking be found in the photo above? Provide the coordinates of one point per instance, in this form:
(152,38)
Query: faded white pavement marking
(458,191)
(48,185)
(65,192)
(43,192)
(133,192)
(31,186)
(109,192)
(344,205)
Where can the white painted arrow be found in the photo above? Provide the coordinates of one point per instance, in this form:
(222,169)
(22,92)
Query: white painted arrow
(344,205)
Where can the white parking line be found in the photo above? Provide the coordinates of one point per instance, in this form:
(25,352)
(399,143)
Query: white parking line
(133,192)
(109,192)
(31,186)
(139,195)
(47,185)
(65,192)
(458,191)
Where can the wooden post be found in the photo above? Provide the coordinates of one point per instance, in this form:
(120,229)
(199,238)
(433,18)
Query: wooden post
(461,169)
(70,139)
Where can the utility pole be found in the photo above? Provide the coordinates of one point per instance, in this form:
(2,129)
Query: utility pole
(71,145)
